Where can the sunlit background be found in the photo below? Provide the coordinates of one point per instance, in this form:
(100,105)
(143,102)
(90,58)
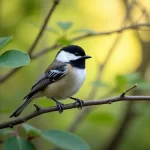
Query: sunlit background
(22,19)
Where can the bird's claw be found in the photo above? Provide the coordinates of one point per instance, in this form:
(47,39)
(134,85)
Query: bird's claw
(60,107)
(80,102)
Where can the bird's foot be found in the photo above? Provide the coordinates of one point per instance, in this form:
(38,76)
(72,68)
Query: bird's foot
(78,101)
(60,107)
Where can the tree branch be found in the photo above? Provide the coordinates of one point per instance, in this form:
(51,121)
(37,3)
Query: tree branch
(129,113)
(13,71)
(81,116)
(45,50)
(123,126)
(55,3)
(134,27)
(71,106)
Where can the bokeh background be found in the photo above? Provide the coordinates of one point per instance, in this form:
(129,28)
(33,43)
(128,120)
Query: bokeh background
(121,125)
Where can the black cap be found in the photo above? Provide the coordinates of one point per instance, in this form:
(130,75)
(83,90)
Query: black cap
(74,49)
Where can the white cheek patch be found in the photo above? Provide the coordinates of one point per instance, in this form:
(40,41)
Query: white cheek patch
(66,57)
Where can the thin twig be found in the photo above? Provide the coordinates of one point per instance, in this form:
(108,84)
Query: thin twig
(129,114)
(133,27)
(94,89)
(13,71)
(123,126)
(45,50)
(71,106)
(124,93)
(143,10)
(55,3)
(37,107)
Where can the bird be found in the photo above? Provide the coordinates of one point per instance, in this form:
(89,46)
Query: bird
(61,80)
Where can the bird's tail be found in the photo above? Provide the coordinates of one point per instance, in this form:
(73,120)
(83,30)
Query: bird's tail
(21,108)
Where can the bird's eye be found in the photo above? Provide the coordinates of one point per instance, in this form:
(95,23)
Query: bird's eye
(77,54)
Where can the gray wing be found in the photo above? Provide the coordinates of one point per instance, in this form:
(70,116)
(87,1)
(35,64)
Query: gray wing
(46,79)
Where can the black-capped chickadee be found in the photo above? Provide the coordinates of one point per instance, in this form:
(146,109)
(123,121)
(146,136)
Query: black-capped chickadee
(62,79)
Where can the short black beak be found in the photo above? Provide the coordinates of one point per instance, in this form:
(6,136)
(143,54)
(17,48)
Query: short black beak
(86,57)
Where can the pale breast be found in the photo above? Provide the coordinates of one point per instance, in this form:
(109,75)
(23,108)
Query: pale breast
(67,85)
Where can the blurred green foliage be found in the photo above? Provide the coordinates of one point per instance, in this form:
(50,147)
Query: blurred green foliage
(18,143)
(62,139)
(128,80)
(23,19)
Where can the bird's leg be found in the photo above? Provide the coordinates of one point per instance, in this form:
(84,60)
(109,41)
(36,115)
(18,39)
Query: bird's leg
(59,105)
(80,102)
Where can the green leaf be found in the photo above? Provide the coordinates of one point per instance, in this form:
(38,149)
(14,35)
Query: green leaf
(18,143)
(14,58)
(32,131)
(99,84)
(5,40)
(4,132)
(88,31)
(143,85)
(65,25)
(133,77)
(121,80)
(121,83)
(65,140)
(63,41)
